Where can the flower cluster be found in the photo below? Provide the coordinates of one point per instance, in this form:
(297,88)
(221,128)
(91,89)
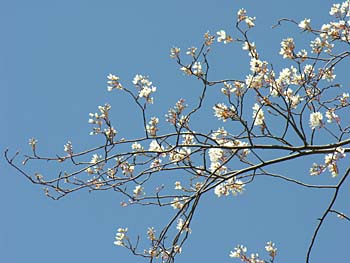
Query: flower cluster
(32,142)
(240,252)
(287,48)
(178,155)
(98,118)
(223,37)
(120,237)
(197,68)
(209,39)
(97,164)
(183,225)
(223,112)
(113,82)
(305,24)
(68,148)
(258,115)
(292,99)
(174,52)
(330,162)
(174,114)
(316,119)
(151,127)
(191,51)
(138,190)
(242,16)
(145,87)
(177,203)
(331,116)
(230,186)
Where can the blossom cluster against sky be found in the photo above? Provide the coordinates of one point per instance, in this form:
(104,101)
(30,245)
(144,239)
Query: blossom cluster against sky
(55,59)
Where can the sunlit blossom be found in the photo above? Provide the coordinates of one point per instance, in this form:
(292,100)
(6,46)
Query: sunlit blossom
(316,119)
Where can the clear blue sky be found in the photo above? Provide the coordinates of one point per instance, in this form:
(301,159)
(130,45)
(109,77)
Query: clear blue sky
(54,59)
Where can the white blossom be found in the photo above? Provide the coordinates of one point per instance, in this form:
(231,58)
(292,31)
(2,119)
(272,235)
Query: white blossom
(315,119)
(258,115)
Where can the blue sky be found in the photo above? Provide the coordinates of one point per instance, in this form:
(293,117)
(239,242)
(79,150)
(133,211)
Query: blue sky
(55,56)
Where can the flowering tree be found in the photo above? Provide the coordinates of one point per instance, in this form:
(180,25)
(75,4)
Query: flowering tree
(269,118)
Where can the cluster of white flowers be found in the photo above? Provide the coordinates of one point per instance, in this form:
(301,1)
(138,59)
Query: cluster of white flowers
(286,77)
(340,10)
(228,88)
(292,99)
(330,162)
(223,37)
(32,142)
(182,225)
(177,203)
(240,251)
(308,71)
(97,160)
(331,116)
(318,44)
(331,159)
(110,133)
(151,234)
(178,185)
(174,52)
(221,137)
(145,87)
(197,68)
(137,147)
(222,112)
(258,115)
(316,120)
(120,237)
(113,82)
(151,127)
(138,190)
(305,24)
(127,168)
(230,186)
(302,54)
(191,51)
(155,147)
(178,155)
(68,148)
(187,139)
(327,74)
(242,16)
(250,46)
(344,99)
(271,249)
(287,48)
(255,81)
(258,66)
(96,118)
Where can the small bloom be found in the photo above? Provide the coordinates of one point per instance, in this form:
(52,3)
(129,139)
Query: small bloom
(305,24)
(68,148)
(136,146)
(223,112)
(222,37)
(197,68)
(178,185)
(315,119)
(138,190)
(287,48)
(32,142)
(191,51)
(113,82)
(120,236)
(174,52)
(258,115)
